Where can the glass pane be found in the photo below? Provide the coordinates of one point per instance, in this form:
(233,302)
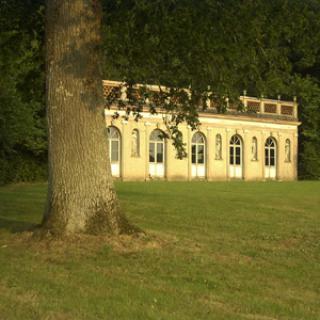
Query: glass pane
(114,151)
(238,160)
(266,153)
(272,162)
(270,142)
(151,152)
(267,142)
(113,133)
(238,151)
(272,153)
(194,138)
(198,138)
(231,155)
(193,157)
(159,152)
(156,135)
(235,140)
(201,154)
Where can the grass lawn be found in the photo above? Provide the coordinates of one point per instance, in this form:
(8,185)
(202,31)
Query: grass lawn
(214,251)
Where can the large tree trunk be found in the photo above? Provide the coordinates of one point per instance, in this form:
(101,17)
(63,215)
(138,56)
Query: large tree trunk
(81,195)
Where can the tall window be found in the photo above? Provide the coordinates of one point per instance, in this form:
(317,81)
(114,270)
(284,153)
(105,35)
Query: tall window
(270,152)
(198,148)
(235,149)
(288,151)
(156,147)
(114,144)
(254,149)
(218,154)
(135,143)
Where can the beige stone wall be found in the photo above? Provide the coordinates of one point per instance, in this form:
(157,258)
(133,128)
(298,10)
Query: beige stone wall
(137,168)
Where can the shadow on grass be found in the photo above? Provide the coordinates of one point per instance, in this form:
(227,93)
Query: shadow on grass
(15,226)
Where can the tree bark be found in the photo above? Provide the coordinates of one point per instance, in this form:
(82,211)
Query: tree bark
(81,194)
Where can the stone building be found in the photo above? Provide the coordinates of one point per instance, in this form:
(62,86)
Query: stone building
(257,144)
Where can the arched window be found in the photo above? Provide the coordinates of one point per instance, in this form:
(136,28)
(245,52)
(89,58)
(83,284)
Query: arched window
(270,152)
(270,158)
(254,149)
(156,153)
(114,141)
(288,151)
(198,148)
(156,146)
(135,143)
(218,154)
(235,150)
(198,155)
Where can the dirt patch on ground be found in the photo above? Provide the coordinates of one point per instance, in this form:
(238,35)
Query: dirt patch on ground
(87,244)
(258,317)
(134,244)
(17,295)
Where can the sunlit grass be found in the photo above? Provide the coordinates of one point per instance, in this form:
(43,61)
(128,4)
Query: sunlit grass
(215,251)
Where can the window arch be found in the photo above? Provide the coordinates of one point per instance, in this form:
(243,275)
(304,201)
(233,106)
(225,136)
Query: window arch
(218,153)
(113,132)
(254,149)
(135,143)
(288,151)
(198,148)
(156,135)
(235,148)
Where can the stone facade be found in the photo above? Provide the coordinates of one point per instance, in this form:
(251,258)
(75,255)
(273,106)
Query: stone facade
(258,144)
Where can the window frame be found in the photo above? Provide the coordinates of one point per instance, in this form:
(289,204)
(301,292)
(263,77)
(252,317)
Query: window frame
(114,138)
(157,143)
(196,146)
(270,152)
(235,150)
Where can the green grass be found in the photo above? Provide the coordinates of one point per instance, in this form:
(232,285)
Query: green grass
(217,251)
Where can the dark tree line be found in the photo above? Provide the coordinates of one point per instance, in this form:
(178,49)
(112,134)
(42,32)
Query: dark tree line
(23,146)
(265,47)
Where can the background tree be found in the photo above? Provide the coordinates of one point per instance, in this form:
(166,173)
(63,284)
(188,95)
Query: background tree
(23,145)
